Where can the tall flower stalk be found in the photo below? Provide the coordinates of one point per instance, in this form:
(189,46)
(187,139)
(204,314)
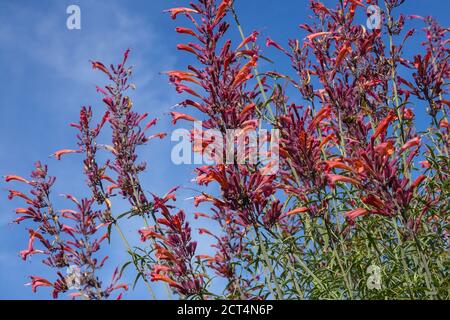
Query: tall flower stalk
(69,239)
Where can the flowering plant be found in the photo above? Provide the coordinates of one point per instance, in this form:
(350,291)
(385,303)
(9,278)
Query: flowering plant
(351,201)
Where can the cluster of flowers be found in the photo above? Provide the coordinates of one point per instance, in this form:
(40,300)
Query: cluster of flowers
(355,186)
(69,238)
(354,144)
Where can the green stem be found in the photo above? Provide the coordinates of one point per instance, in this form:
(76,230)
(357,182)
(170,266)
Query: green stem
(127,245)
(268,263)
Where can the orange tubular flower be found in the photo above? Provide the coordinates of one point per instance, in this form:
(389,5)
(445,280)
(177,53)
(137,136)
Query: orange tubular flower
(333,178)
(182,76)
(418,181)
(356,2)
(22,210)
(176,116)
(352,215)
(199,214)
(202,198)
(205,231)
(30,250)
(160,135)
(181,88)
(221,10)
(296,211)
(317,34)
(176,11)
(323,114)
(360,166)
(326,140)
(14,193)
(250,38)
(16,178)
(384,124)
(385,148)
(187,48)
(164,254)
(344,51)
(148,233)
(248,108)
(60,153)
(110,188)
(100,66)
(160,277)
(411,143)
(186,31)
(158,269)
(39,282)
(244,73)
(338,165)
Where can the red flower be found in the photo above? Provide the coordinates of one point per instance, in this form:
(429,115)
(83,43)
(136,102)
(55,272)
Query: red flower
(221,10)
(100,66)
(333,178)
(177,116)
(385,148)
(317,34)
(60,153)
(37,282)
(160,277)
(411,143)
(352,215)
(16,178)
(382,127)
(297,210)
(176,11)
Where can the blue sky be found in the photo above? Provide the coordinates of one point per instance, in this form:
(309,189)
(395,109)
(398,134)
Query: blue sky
(45,78)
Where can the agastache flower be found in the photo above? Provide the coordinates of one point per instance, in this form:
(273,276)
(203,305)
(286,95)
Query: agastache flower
(175,250)
(87,141)
(127,137)
(67,237)
(227,103)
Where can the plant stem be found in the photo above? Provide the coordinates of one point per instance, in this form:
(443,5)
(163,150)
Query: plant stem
(127,245)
